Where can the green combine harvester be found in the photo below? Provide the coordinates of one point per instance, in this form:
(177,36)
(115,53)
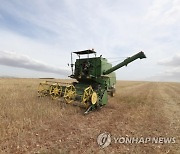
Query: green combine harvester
(95,80)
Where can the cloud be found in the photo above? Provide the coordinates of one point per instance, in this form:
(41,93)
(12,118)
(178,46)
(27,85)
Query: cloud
(172,69)
(173,62)
(50,30)
(13,59)
(164,77)
(164,12)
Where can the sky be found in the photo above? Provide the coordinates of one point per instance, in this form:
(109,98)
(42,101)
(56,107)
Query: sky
(38,36)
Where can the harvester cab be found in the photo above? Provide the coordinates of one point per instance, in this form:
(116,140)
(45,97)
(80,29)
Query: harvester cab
(83,66)
(95,78)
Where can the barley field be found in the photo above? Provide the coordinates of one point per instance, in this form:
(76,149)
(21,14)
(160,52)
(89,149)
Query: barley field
(29,124)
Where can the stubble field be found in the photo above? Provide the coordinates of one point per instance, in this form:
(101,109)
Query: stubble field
(29,124)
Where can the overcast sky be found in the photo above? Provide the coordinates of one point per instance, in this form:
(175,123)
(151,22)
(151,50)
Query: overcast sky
(37,36)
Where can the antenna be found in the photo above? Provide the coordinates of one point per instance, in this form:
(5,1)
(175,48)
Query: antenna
(72,63)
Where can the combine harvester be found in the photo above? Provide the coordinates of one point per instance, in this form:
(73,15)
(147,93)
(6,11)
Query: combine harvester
(95,80)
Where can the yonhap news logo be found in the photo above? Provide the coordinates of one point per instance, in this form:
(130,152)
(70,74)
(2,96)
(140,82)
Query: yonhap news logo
(105,139)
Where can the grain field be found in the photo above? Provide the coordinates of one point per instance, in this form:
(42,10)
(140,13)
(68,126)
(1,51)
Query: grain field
(29,124)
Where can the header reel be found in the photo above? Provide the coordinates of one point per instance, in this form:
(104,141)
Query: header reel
(89,98)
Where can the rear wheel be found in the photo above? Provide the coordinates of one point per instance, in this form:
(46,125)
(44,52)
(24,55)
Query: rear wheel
(112,93)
